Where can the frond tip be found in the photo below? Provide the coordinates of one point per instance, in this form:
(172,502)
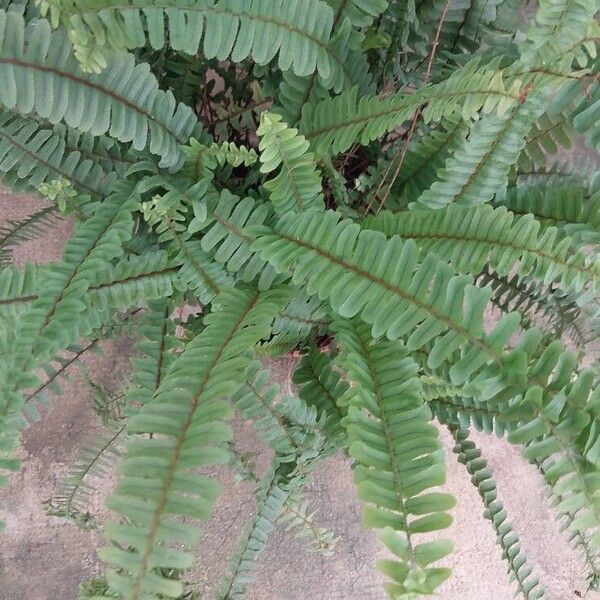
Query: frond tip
(398,458)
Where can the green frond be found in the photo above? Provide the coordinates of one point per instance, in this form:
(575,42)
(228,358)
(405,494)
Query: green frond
(561,27)
(449,405)
(74,495)
(271,496)
(156,352)
(481,477)
(361,13)
(320,386)
(201,274)
(51,323)
(548,134)
(563,206)
(289,426)
(398,459)
(580,101)
(297,34)
(17,290)
(479,168)
(202,160)
(553,310)
(225,236)
(298,185)
(471,237)
(123,102)
(54,372)
(302,315)
(333,125)
(15,232)
(32,154)
(581,539)
(187,418)
(361,272)
(464,25)
(296,516)
(133,281)
(423,159)
(562,424)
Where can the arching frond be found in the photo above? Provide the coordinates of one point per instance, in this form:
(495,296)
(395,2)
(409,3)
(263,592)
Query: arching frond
(563,206)
(479,168)
(271,496)
(291,427)
(124,101)
(191,420)
(470,238)
(17,231)
(321,387)
(226,238)
(398,458)
(481,477)
(297,34)
(333,125)
(32,154)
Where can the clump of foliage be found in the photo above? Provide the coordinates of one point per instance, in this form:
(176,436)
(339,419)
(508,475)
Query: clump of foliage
(361,182)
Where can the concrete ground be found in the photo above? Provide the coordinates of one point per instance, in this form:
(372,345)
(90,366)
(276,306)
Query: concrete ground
(45,558)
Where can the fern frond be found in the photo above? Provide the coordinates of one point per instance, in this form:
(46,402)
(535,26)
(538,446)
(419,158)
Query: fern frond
(52,322)
(298,185)
(225,236)
(133,281)
(32,155)
(320,386)
(74,495)
(123,102)
(300,317)
(15,232)
(334,124)
(291,427)
(202,160)
(361,272)
(548,134)
(424,158)
(297,34)
(480,167)
(17,289)
(295,516)
(563,206)
(535,302)
(271,496)
(189,414)
(157,348)
(398,457)
(561,27)
(581,539)
(481,477)
(580,100)
(471,237)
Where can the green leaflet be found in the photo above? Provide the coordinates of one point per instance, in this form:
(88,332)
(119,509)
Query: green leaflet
(397,456)
(471,237)
(190,419)
(124,101)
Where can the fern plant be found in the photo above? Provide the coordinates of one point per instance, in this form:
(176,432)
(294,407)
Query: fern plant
(365,185)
